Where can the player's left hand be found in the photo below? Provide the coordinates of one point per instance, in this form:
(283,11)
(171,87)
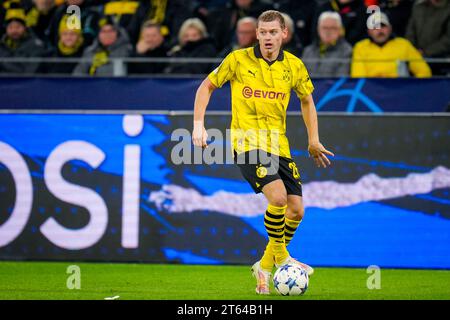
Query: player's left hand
(318,152)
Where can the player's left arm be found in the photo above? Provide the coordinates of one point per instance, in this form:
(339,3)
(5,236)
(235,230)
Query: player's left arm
(315,148)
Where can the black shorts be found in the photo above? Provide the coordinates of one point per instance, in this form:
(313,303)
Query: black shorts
(259,168)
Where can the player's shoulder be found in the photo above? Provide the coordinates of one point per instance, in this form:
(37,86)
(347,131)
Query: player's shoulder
(244,52)
(292,57)
(293,60)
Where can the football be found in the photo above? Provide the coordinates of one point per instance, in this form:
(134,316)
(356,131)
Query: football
(290,280)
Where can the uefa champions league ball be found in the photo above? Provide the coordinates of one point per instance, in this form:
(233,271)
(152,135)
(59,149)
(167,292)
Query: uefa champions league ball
(291,280)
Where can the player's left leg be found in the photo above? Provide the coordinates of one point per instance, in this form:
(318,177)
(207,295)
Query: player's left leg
(295,211)
(294,216)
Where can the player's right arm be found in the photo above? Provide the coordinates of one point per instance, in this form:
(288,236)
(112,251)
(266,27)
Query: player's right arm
(216,79)
(202,98)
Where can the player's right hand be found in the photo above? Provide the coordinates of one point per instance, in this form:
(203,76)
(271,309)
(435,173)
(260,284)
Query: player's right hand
(199,135)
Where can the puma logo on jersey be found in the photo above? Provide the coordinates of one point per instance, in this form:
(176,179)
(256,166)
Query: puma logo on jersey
(252,73)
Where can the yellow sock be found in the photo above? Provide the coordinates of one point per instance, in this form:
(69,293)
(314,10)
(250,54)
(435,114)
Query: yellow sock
(274,223)
(289,229)
(268,259)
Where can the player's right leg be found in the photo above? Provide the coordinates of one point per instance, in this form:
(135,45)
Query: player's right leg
(274,219)
(262,277)
(274,223)
(263,177)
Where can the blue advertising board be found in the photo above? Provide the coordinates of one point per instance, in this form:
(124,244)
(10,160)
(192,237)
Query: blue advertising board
(345,94)
(115,187)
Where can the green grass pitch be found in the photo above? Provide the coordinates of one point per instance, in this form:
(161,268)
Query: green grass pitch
(47,280)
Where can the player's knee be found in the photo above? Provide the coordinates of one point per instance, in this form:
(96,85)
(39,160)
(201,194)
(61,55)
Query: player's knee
(279,200)
(297,213)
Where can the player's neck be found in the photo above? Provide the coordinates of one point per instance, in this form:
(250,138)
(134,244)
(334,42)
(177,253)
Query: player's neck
(270,56)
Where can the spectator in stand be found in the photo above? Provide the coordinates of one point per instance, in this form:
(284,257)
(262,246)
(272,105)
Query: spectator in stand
(383,54)
(222,21)
(112,42)
(291,43)
(39,17)
(398,12)
(194,42)
(318,57)
(429,31)
(169,14)
(89,21)
(245,36)
(120,12)
(19,42)
(26,4)
(202,8)
(302,13)
(151,44)
(70,45)
(96,3)
(4,6)
(353,14)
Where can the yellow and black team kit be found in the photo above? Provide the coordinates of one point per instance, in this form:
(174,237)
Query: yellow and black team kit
(260,93)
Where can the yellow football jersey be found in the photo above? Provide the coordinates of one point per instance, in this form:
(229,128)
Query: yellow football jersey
(260,93)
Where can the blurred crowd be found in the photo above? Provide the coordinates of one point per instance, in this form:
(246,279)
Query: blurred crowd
(334,37)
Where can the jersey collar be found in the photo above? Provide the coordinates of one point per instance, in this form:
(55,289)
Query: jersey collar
(258,54)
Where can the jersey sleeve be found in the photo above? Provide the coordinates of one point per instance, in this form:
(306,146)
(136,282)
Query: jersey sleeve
(303,87)
(224,72)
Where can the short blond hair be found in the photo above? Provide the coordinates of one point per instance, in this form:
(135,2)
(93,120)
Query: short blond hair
(272,15)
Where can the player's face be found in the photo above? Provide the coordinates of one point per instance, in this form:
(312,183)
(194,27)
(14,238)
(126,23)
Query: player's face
(270,36)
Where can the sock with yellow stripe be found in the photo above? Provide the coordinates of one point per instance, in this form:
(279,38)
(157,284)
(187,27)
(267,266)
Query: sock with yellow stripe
(274,221)
(268,258)
(290,226)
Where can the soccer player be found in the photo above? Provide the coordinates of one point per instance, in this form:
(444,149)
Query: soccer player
(261,79)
